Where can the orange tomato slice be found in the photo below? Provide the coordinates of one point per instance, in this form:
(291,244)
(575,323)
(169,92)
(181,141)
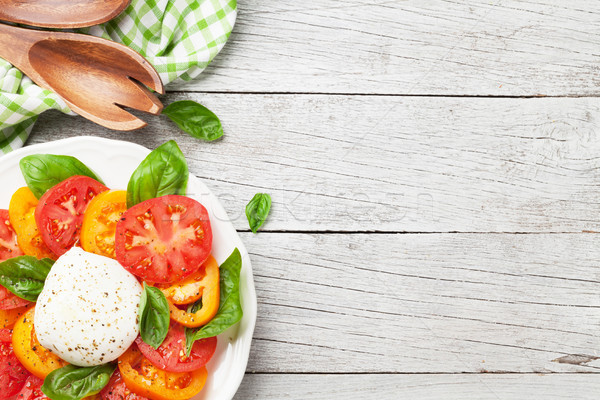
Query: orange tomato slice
(144,379)
(100,222)
(21,213)
(204,285)
(35,358)
(9,317)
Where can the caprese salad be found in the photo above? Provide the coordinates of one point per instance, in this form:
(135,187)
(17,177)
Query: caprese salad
(110,294)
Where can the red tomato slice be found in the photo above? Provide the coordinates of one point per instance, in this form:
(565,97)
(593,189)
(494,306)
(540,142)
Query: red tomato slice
(170,356)
(32,390)
(8,249)
(5,336)
(59,214)
(164,240)
(12,373)
(9,301)
(116,390)
(9,246)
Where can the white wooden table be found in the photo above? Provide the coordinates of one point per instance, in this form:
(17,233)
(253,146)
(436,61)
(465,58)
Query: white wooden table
(435,171)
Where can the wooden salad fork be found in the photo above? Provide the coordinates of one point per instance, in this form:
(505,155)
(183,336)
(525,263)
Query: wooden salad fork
(96,77)
(61,13)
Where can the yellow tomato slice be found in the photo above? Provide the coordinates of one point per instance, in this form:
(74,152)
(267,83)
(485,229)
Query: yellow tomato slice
(21,213)
(100,222)
(35,358)
(203,284)
(144,379)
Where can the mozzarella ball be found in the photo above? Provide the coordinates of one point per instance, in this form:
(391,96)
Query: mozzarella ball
(87,313)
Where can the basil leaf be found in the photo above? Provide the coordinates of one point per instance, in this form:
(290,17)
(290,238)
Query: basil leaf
(195,119)
(257,210)
(163,172)
(194,307)
(75,383)
(24,276)
(43,171)
(230,307)
(154,316)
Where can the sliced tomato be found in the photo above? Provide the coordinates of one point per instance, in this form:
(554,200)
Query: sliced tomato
(32,390)
(12,374)
(59,214)
(171,355)
(9,317)
(164,240)
(144,379)
(116,390)
(9,246)
(100,222)
(9,301)
(35,358)
(8,249)
(204,285)
(196,286)
(21,212)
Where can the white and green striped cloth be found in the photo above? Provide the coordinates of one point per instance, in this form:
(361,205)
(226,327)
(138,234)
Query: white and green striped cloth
(179,37)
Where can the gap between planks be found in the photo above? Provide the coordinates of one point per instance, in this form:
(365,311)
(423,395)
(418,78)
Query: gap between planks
(475,373)
(383,232)
(358,94)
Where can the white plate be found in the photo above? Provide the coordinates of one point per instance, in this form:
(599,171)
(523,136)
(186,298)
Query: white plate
(114,161)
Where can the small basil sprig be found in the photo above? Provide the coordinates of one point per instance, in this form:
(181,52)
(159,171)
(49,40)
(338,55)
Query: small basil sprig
(154,316)
(75,383)
(24,276)
(163,172)
(195,119)
(257,210)
(230,307)
(43,171)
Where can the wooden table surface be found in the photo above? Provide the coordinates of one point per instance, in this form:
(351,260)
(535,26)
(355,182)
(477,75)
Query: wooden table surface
(435,172)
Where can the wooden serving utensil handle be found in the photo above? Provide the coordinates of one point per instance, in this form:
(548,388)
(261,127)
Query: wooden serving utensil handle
(15,43)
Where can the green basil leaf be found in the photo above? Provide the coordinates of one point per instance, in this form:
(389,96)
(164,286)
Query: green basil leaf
(154,316)
(24,276)
(75,383)
(194,307)
(195,119)
(163,172)
(43,171)
(257,210)
(230,307)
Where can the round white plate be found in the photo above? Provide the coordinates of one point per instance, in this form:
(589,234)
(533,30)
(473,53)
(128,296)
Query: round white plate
(114,161)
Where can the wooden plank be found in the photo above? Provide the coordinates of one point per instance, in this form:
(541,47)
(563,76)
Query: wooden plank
(426,302)
(376,163)
(480,47)
(422,387)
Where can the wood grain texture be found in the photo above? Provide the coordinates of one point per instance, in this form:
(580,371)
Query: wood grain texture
(476,47)
(426,302)
(422,387)
(61,13)
(370,313)
(376,163)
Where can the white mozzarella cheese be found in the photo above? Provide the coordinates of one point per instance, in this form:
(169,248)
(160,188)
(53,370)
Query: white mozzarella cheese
(87,313)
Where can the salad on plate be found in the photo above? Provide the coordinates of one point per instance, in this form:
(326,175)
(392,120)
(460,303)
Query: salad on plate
(110,294)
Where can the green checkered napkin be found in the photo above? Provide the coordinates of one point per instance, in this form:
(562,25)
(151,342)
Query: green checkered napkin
(179,37)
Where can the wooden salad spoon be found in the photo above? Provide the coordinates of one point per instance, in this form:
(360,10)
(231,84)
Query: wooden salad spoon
(61,13)
(96,77)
